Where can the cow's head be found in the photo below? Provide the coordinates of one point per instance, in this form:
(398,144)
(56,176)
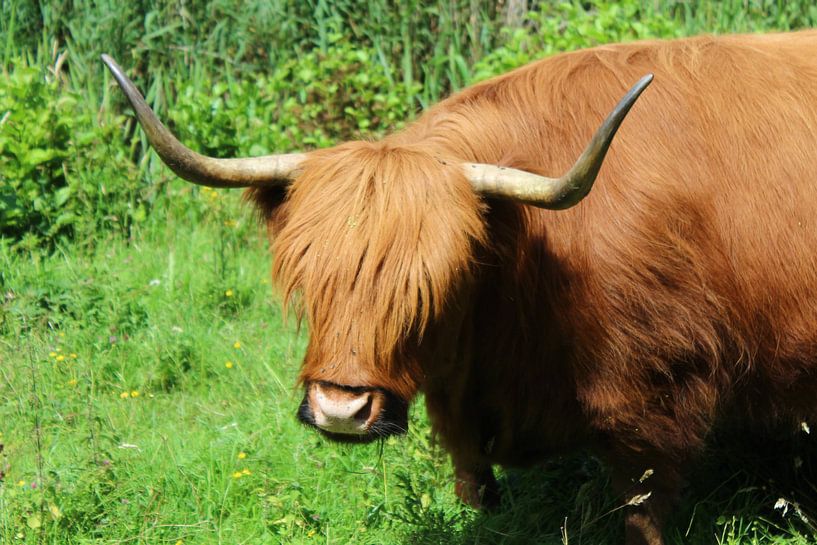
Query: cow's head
(375,243)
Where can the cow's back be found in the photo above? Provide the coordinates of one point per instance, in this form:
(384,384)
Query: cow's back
(704,228)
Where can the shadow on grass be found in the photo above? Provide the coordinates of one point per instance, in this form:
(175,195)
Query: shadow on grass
(565,495)
(730,498)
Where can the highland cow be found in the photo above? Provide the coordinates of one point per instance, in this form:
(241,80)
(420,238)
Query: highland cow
(681,293)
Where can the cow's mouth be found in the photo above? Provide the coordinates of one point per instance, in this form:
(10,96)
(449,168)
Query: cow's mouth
(353,415)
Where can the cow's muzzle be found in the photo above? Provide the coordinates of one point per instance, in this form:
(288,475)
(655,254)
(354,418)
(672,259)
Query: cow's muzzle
(353,414)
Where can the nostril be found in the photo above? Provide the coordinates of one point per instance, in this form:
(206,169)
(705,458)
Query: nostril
(366,412)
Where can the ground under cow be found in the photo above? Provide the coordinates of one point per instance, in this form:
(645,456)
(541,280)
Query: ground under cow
(681,293)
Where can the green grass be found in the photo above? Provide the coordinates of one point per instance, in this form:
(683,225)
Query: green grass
(152,316)
(86,461)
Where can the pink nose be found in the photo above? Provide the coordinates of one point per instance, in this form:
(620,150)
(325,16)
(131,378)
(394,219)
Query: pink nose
(340,411)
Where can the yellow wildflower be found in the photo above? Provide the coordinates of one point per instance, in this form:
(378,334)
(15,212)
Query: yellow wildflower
(73,356)
(124,395)
(311,533)
(242,455)
(72,382)
(60,358)
(236,345)
(21,483)
(180,542)
(228,364)
(52,354)
(237,475)
(246,471)
(229,293)
(61,334)
(134,393)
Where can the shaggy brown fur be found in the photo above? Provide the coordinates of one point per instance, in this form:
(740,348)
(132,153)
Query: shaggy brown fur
(682,291)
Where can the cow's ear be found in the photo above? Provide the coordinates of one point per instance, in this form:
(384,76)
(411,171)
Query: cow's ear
(270,203)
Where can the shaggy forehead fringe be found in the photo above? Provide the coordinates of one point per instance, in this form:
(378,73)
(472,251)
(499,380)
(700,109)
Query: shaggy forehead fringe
(374,237)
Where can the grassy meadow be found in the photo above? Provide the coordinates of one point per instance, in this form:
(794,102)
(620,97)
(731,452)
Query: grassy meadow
(146,373)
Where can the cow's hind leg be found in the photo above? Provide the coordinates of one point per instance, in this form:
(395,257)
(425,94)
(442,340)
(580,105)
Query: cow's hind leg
(648,490)
(477,487)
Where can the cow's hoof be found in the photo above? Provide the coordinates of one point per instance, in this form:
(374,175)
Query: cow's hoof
(478,489)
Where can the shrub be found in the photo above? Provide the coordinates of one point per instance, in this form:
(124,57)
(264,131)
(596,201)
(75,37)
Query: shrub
(35,127)
(314,101)
(566,26)
(61,162)
(55,161)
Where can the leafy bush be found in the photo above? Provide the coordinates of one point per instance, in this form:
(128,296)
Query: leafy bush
(567,26)
(55,161)
(34,134)
(314,101)
(61,161)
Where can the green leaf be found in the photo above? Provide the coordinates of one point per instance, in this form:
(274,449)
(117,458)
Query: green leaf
(62,195)
(39,155)
(34,521)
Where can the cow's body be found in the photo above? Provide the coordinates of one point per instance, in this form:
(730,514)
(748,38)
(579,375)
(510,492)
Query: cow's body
(681,292)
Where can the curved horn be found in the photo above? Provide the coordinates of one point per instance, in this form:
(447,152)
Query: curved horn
(266,171)
(555,193)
